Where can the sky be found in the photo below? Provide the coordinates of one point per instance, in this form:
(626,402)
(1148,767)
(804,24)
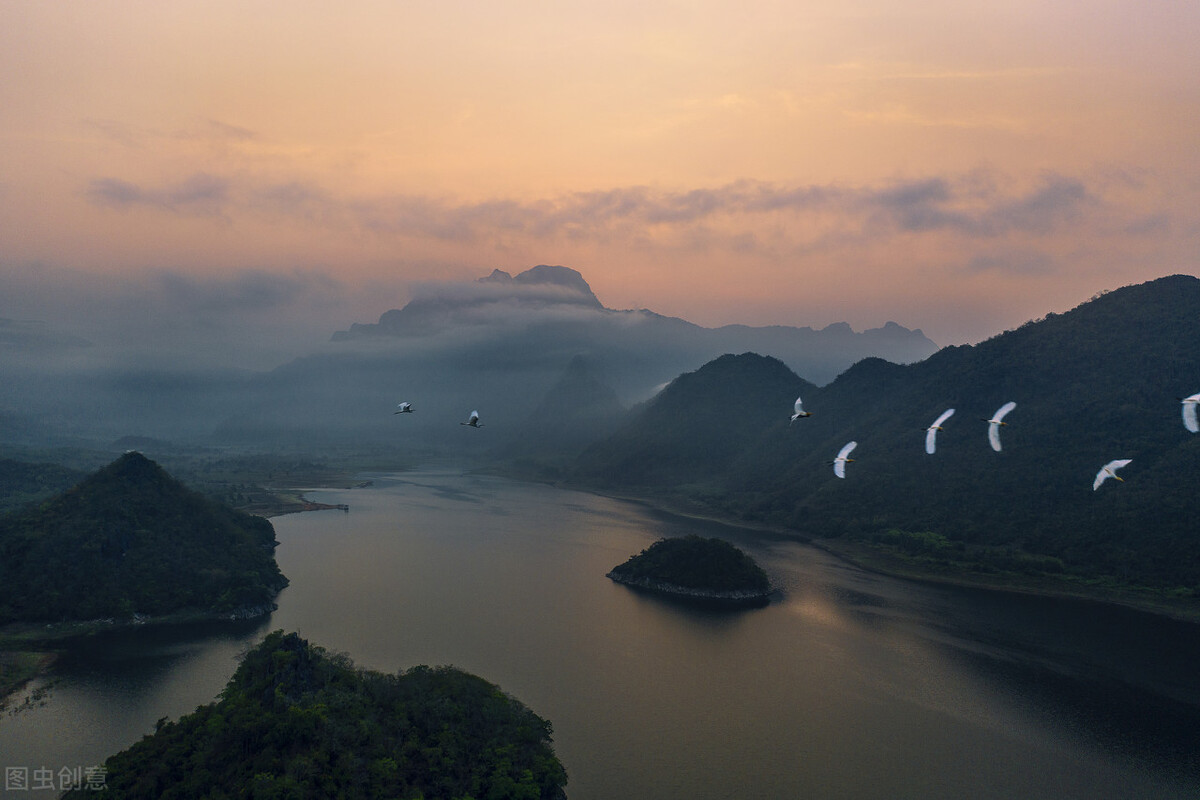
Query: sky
(955,167)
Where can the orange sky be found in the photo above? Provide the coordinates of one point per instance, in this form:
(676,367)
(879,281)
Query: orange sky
(955,167)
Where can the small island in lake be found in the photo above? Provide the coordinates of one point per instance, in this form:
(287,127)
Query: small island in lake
(694,567)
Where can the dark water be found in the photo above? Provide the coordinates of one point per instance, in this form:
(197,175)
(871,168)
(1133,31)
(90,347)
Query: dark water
(850,685)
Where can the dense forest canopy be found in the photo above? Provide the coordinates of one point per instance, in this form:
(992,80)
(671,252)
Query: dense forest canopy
(695,562)
(130,539)
(297,721)
(1096,383)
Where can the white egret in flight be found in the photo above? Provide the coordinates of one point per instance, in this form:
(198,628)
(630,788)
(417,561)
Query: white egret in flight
(995,422)
(1109,470)
(473,420)
(931,431)
(1189,412)
(403,408)
(843,457)
(800,412)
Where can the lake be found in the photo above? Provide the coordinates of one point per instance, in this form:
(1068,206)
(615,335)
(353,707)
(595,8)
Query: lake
(848,685)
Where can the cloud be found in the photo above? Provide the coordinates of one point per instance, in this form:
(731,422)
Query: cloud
(210,132)
(735,216)
(212,129)
(1056,201)
(926,205)
(199,194)
(250,318)
(257,291)
(1013,262)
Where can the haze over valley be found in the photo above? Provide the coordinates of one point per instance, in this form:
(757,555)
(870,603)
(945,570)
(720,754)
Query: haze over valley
(498,343)
(535,400)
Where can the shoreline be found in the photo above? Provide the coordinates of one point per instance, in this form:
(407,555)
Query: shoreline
(727,599)
(29,649)
(882,563)
(18,668)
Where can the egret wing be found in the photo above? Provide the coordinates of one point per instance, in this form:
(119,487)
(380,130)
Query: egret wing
(1189,413)
(994,424)
(1109,470)
(931,431)
(1003,411)
(839,463)
(994,435)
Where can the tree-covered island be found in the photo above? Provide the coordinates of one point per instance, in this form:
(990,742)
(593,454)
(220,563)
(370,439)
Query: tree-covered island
(711,570)
(297,721)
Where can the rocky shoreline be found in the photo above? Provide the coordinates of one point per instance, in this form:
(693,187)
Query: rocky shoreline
(741,597)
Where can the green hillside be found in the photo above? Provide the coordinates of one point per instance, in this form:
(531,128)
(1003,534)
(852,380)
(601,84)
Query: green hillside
(130,539)
(1097,383)
(691,432)
(296,721)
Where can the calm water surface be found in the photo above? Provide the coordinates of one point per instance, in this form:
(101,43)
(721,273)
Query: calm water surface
(849,685)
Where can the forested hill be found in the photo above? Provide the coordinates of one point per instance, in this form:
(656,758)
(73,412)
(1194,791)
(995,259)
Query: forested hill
(694,429)
(1094,384)
(130,539)
(295,721)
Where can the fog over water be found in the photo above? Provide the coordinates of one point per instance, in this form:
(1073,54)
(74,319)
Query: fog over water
(849,684)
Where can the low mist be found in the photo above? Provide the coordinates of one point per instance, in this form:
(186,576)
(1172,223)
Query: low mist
(264,360)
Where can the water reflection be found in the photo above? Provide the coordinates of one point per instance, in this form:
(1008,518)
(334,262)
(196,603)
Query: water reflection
(106,691)
(848,684)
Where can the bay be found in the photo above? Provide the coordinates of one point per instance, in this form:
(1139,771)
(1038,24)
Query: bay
(848,685)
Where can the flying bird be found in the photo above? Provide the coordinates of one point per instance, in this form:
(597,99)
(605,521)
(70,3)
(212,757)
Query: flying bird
(932,430)
(1189,412)
(473,420)
(843,458)
(1109,470)
(403,408)
(800,412)
(995,422)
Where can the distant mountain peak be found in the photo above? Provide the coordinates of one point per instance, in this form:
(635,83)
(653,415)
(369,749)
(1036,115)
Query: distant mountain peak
(489,299)
(559,276)
(497,276)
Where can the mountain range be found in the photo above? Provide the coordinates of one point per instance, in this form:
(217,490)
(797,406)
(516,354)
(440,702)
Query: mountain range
(499,345)
(1097,383)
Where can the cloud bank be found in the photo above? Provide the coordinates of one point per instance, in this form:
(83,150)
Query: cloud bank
(973,206)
